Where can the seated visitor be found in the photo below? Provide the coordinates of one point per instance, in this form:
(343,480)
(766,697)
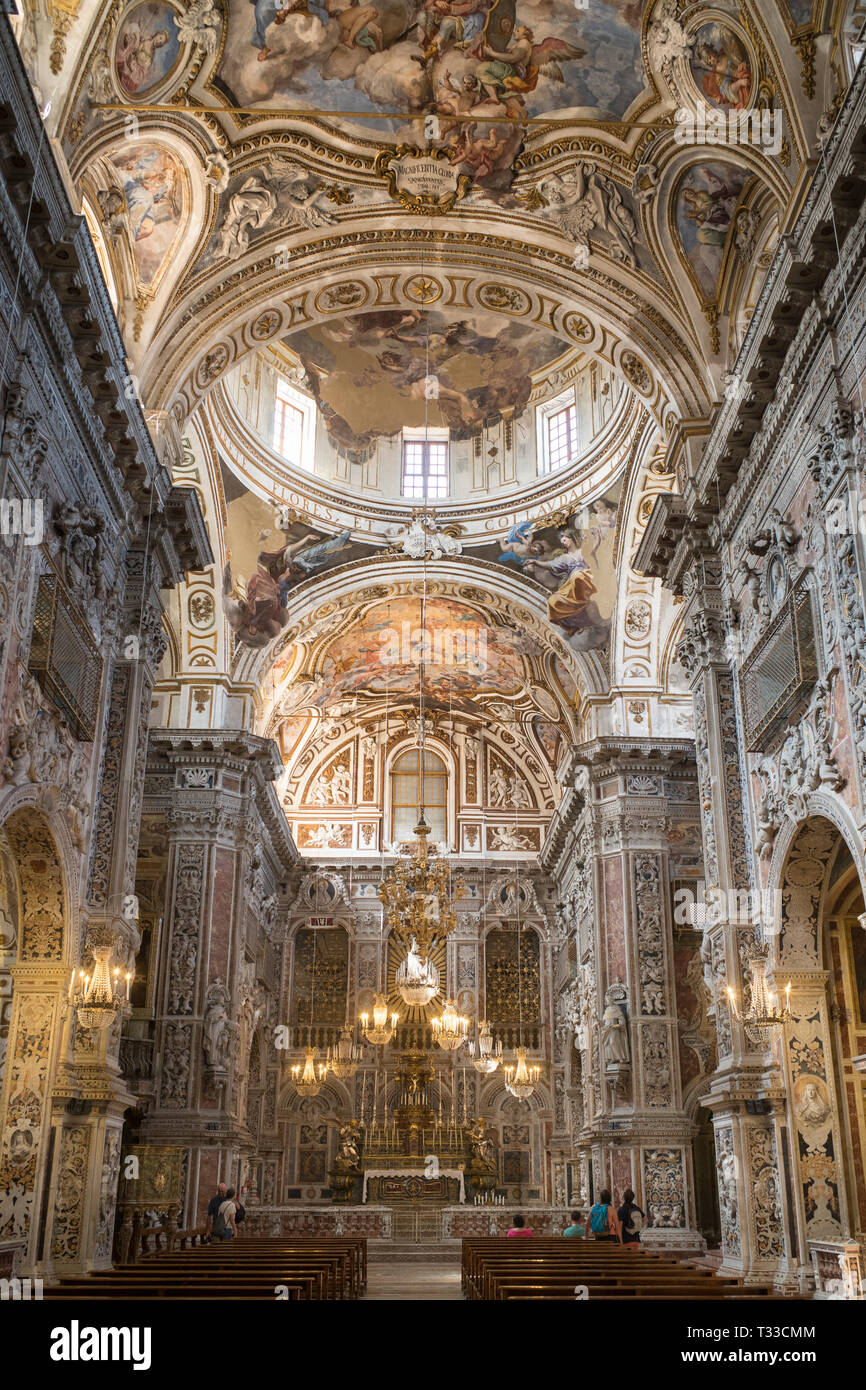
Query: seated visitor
(520,1227)
(575,1229)
(603,1219)
(631,1219)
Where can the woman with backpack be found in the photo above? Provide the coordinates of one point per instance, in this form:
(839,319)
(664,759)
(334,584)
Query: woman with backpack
(631,1220)
(603,1220)
(224,1227)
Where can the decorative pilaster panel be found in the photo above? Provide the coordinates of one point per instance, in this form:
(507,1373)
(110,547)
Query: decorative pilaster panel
(815,1127)
(107,1198)
(650,937)
(175,1071)
(727,1165)
(763,1161)
(70,1208)
(25,1108)
(664,1188)
(185,928)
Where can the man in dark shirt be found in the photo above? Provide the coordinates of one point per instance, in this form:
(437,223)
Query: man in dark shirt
(213,1207)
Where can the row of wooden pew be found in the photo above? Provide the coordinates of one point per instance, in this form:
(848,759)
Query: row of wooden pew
(266,1269)
(539,1267)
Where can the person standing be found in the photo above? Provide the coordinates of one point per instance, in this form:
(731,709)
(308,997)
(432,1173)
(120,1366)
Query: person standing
(576,1228)
(603,1220)
(631,1219)
(224,1227)
(213,1207)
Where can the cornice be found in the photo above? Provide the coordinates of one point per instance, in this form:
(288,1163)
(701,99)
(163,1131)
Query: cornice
(610,755)
(234,749)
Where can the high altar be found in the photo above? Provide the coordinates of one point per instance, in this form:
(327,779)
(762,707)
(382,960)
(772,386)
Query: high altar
(414,1155)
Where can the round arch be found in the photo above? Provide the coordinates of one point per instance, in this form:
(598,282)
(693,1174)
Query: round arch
(36,871)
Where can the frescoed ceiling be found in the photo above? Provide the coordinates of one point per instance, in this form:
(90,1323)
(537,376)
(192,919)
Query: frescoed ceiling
(266,166)
(369,373)
(388,190)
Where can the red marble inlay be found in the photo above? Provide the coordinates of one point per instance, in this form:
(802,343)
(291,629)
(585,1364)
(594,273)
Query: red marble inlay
(221,914)
(614,918)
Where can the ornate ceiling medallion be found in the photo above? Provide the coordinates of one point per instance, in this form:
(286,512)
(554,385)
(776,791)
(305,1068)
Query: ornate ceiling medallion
(421,181)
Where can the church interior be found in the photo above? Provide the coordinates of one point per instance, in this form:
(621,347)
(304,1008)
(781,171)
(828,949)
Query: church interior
(433,649)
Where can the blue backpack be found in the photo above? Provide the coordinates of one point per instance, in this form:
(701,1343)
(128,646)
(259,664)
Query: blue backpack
(598,1219)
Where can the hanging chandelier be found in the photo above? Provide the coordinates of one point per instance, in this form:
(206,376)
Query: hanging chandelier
(450,1029)
(98,998)
(417,978)
(344,1056)
(416,896)
(381,1031)
(310,1079)
(764,1011)
(489,1054)
(521,1079)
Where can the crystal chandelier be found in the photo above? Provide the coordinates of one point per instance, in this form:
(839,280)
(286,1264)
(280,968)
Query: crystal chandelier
(764,1011)
(521,1079)
(309,1080)
(99,997)
(489,1054)
(450,1028)
(344,1057)
(381,1031)
(417,978)
(416,896)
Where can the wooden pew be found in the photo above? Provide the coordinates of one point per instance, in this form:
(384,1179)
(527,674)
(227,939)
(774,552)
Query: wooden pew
(246,1269)
(502,1268)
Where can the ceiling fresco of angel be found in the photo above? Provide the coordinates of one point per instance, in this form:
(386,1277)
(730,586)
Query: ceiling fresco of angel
(574,561)
(467,62)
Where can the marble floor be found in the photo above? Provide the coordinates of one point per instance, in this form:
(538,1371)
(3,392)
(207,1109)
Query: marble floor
(399,1282)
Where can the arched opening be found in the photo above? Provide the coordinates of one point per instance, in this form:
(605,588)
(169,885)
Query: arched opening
(844,955)
(707,1212)
(406,795)
(32,977)
(819,951)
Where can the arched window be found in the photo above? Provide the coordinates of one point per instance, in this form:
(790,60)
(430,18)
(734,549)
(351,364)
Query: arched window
(406,795)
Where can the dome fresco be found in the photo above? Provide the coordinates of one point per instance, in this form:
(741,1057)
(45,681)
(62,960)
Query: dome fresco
(375,373)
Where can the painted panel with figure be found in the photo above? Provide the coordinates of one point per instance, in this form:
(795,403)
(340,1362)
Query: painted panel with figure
(574,561)
(705,204)
(268,556)
(721,67)
(152,183)
(147,49)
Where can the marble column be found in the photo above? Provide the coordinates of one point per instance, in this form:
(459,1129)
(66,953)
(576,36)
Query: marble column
(229,854)
(636,1130)
(87,1133)
(746,1084)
